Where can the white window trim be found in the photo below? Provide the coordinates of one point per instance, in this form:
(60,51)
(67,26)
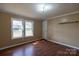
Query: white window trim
(18,19)
(33,28)
(23,22)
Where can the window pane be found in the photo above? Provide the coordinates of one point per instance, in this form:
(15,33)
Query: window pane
(28,28)
(17,29)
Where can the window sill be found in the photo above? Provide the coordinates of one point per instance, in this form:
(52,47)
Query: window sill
(17,38)
(28,36)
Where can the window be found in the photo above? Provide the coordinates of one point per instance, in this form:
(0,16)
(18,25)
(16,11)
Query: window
(21,28)
(17,28)
(28,28)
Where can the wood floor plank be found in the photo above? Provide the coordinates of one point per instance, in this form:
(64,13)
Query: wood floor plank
(40,48)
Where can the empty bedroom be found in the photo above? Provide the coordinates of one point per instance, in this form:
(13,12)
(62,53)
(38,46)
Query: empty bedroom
(39,29)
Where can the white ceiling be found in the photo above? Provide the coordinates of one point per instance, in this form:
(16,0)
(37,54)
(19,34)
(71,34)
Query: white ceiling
(30,9)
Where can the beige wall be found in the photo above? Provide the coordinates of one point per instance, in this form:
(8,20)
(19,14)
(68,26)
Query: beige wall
(64,33)
(5,31)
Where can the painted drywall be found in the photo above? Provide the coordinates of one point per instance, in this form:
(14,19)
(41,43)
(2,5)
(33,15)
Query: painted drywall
(44,29)
(5,31)
(64,33)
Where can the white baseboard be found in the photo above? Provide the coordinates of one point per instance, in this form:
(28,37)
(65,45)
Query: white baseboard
(64,44)
(35,40)
(15,45)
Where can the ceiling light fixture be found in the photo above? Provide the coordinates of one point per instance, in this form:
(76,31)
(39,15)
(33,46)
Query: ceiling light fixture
(43,8)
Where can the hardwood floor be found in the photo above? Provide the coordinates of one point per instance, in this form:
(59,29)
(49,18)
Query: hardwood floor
(40,48)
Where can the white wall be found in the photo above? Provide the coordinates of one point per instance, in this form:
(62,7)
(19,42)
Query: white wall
(64,33)
(44,29)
